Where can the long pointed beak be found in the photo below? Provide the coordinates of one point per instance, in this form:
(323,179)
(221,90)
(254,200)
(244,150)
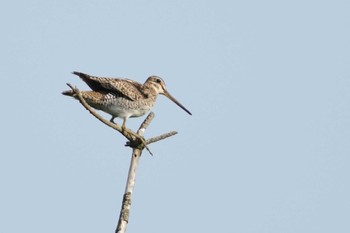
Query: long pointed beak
(167,94)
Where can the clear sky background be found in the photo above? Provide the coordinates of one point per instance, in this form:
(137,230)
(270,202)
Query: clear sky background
(266,150)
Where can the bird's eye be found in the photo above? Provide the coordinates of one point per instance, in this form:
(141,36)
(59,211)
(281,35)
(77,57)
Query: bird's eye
(158,80)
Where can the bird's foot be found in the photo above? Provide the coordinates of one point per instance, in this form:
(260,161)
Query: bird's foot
(112,120)
(135,135)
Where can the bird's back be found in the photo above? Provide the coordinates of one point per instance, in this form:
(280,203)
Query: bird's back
(126,88)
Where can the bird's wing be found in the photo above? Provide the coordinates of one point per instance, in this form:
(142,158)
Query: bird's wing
(125,87)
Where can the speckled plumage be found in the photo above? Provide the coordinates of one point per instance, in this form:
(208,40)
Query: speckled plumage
(123,98)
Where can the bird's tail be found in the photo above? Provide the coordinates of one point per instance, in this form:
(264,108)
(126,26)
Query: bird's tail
(80,74)
(92,81)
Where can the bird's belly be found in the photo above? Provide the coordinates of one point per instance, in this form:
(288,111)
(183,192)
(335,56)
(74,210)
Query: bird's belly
(118,111)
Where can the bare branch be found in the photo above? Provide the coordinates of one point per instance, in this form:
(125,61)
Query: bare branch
(146,122)
(130,184)
(160,137)
(136,140)
(138,143)
(94,113)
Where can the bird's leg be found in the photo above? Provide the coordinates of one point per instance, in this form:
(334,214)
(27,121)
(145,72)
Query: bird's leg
(124,124)
(126,130)
(112,119)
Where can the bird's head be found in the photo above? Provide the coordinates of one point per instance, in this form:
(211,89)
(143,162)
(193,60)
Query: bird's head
(158,85)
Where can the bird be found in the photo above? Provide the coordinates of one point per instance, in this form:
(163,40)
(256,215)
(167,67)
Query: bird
(123,98)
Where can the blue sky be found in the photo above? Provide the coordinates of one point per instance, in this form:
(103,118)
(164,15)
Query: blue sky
(266,150)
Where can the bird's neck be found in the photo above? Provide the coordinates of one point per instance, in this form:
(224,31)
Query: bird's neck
(150,90)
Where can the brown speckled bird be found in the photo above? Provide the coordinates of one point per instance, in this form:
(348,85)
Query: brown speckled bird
(123,98)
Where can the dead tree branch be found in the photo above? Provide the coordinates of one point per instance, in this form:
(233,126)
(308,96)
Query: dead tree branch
(138,143)
(130,184)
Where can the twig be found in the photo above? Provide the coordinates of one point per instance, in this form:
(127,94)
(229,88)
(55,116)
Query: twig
(160,137)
